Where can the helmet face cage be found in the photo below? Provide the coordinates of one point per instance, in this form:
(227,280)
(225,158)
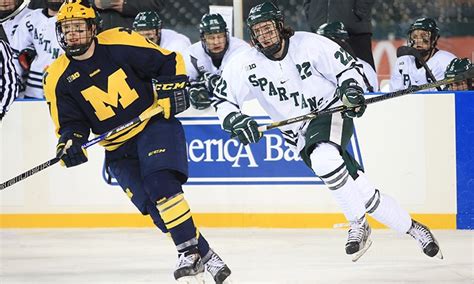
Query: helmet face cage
(77,17)
(77,49)
(147,21)
(263,13)
(213,24)
(425,24)
(455,67)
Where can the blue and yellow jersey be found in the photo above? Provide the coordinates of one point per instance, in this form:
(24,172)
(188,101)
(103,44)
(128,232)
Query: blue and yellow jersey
(110,88)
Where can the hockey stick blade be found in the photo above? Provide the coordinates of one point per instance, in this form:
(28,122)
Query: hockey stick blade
(144,116)
(412,89)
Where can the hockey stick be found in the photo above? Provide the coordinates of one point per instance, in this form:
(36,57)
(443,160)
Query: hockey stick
(460,77)
(408,50)
(144,116)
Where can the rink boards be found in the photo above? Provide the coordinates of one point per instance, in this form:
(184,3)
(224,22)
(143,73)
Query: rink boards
(416,148)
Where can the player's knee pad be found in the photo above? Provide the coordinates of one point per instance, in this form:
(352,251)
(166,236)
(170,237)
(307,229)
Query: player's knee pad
(327,163)
(162,184)
(374,202)
(174,210)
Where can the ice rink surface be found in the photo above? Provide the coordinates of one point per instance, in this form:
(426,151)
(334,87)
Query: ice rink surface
(254,255)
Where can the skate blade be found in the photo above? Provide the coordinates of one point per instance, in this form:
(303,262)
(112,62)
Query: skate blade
(439,255)
(360,253)
(196,279)
(228,281)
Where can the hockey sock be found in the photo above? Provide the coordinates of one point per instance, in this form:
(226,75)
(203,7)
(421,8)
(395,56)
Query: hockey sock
(155,216)
(382,207)
(177,217)
(328,164)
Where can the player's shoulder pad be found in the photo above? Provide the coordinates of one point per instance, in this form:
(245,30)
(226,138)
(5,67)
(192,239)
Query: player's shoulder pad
(175,36)
(125,36)
(58,66)
(52,74)
(443,54)
(195,48)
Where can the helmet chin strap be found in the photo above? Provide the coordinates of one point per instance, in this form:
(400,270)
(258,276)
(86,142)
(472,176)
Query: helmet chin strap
(271,50)
(80,49)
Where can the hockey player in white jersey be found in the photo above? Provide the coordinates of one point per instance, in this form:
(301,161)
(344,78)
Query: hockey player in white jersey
(207,58)
(149,25)
(16,10)
(291,74)
(423,35)
(37,46)
(458,66)
(337,32)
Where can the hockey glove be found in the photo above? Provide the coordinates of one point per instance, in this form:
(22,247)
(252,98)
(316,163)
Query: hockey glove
(199,97)
(25,57)
(352,97)
(172,94)
(242,126)
(75,154)
(210,81)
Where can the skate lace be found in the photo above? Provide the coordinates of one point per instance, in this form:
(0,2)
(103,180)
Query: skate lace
(214,264)
(185,261)
(421,234)
(356,231)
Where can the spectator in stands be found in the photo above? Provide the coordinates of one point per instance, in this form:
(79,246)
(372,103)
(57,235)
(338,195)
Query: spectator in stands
(121,13)
(356,16)
(115,13)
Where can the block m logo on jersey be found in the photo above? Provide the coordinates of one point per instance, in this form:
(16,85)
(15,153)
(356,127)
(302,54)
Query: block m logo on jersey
(118,91)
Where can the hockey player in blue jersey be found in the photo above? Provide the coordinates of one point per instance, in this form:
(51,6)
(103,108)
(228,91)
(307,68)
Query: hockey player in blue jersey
(102,81)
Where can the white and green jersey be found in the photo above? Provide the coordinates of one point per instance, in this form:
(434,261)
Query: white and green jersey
(303,81)
(174,41)
(37,31)
(10,27)
(11,24)
(406,73)
(198,61)
(370,74)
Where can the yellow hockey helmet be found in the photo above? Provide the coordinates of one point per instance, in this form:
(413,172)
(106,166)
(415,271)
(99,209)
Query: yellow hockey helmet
(75,9)
(71,11)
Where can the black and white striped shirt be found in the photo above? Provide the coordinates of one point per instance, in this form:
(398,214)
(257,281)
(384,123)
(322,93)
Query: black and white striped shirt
(9,84)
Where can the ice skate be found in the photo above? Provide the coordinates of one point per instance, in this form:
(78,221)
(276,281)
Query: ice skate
(358,241)
(425,239)
(217,268)
(189,268)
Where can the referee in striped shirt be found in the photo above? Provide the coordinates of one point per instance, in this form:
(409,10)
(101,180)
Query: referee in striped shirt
(9,80)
